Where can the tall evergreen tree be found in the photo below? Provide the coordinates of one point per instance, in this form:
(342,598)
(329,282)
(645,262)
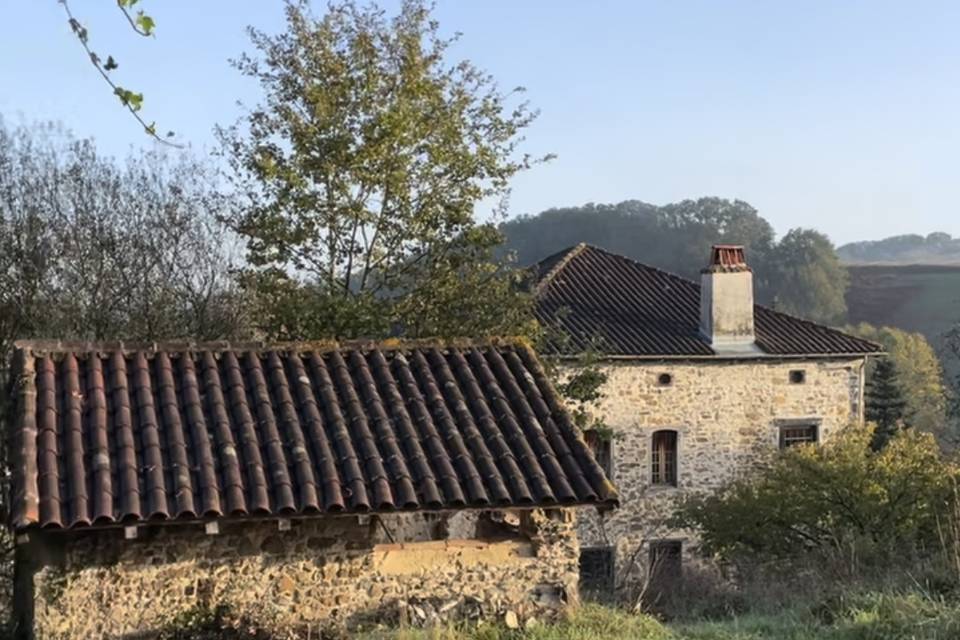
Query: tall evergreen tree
(885,404)
(920,375)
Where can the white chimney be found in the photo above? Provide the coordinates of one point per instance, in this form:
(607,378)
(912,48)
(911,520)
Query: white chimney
(726,300)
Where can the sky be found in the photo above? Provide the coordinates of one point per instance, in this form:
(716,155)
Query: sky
(841,116)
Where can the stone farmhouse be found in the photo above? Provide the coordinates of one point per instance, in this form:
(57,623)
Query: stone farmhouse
(297,485)
(702,385)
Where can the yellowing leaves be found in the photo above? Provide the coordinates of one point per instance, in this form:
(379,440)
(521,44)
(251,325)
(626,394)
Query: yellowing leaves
(838,496)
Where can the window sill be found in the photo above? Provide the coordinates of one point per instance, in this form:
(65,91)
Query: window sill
(663,488)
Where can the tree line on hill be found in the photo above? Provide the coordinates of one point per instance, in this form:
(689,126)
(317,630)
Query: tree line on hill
(934,248)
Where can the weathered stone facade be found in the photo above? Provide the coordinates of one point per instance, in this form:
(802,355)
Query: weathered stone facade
(727,415)
(321,572)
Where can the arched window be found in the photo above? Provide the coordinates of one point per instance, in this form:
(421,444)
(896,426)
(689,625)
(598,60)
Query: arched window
(663,457)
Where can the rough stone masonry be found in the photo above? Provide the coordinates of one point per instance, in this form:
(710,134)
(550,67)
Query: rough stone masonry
(343,572)
(727,416)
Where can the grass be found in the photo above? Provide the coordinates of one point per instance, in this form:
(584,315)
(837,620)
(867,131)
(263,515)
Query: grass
(590,622)
(875,616)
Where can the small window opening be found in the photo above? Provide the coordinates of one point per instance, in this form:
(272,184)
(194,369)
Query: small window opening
(663,458)
(602,450)
(665,379)
(596,571)
(498,525)
(794,434)
(798,376)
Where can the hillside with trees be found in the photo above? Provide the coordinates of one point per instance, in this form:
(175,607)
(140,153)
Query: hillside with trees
(937,248)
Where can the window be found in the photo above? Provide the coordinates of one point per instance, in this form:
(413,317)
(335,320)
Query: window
(665,380)
(666,562)
(596,570)
(601,448)
(793,432)
(798,376)
(663,458)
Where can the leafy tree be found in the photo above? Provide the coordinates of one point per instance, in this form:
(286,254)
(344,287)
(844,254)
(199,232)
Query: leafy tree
(885,405)
(841,499)
(919,373)
(357,179)
(808,278)
(581,384)
(675,237)
(707,221)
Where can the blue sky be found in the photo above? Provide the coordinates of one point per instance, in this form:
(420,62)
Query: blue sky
(841,116)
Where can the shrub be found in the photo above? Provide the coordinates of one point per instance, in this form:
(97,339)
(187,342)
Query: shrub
(841,499)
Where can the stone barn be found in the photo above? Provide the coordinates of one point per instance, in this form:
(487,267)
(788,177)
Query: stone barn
(702,385)
(296,487)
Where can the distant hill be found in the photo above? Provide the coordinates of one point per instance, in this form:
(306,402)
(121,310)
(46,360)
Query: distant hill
(934,249)
(923,298)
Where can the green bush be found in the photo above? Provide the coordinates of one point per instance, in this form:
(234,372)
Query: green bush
(841,500)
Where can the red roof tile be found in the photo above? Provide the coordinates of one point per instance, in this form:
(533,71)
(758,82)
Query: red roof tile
(110,434)
(726,258)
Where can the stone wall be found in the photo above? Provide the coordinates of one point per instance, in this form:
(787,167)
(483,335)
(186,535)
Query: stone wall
(345,571)
(727,415)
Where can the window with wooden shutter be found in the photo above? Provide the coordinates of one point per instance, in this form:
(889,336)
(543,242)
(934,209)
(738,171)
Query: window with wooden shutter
(664,458)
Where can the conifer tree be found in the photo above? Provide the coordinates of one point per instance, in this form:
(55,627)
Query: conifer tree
(885,404)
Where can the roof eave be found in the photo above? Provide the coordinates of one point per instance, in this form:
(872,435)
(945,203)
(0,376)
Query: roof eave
(37,528)
(726,357)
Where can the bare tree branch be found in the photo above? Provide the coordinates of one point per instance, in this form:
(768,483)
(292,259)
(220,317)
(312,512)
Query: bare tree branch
(123,94)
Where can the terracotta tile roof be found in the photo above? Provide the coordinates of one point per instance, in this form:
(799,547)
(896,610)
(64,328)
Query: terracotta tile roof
(620,307)
(726,258)
(110,434)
